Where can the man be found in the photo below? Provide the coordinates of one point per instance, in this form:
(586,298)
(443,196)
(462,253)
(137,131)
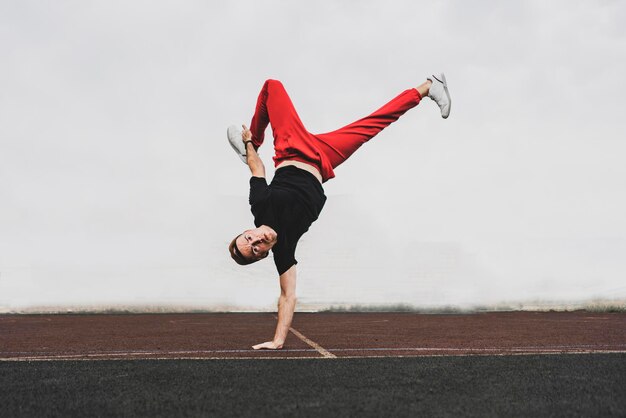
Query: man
(285,209)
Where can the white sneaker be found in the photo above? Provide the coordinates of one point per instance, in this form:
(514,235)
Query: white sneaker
(236,141)
(439,93)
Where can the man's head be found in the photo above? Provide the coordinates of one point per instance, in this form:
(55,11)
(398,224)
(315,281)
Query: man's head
(252,245)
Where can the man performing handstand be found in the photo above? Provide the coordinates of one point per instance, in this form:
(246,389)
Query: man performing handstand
(285,209)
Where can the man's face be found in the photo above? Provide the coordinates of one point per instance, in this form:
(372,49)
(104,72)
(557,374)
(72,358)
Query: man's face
(256,243)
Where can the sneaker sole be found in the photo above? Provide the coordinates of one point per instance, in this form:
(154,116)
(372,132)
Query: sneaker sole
(445,88)
(234,147)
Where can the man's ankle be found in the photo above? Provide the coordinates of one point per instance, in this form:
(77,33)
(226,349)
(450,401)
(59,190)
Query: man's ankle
(424,88)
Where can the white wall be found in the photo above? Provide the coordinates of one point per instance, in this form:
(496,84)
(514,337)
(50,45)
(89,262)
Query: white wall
(117,185)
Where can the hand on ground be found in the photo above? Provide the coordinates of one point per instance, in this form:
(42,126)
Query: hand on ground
(270,345)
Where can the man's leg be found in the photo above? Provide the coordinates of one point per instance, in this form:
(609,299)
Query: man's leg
(339,145)
(274,106)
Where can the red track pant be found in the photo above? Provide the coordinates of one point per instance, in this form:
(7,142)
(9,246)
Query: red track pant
(325,151)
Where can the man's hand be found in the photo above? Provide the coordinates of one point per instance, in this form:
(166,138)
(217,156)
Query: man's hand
(246,134)
(270,345)
(257,169)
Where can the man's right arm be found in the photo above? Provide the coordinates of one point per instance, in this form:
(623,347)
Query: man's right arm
(286,307)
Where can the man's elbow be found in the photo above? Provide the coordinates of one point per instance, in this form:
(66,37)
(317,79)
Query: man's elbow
(289,298)
(257,169)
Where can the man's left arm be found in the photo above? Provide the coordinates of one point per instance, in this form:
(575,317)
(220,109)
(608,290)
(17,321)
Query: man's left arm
(286,307)
(252,158)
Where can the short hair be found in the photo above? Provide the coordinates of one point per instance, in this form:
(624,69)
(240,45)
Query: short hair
(236,254)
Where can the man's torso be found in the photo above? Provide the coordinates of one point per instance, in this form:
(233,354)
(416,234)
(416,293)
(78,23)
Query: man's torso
(290,204)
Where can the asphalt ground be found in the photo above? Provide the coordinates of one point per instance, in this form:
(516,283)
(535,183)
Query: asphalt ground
(333,364)
(590,385)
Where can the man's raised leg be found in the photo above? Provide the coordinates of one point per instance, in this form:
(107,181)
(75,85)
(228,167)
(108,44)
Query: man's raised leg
(274,106)
(339,145)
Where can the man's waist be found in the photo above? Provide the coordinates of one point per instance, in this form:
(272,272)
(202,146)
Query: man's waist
(303,166)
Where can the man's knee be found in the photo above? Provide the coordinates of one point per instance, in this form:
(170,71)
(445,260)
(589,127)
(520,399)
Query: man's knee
(272,83)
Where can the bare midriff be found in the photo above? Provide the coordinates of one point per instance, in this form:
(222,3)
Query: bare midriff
(304,166)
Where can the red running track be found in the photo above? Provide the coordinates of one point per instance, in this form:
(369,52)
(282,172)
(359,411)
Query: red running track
(314,335)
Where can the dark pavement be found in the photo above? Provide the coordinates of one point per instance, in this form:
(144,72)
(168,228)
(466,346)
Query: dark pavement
(522,385)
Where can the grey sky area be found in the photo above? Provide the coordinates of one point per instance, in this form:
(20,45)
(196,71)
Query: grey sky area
(118,187)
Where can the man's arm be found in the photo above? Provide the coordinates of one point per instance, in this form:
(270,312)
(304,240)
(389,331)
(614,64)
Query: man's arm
(286,306)
(254,162)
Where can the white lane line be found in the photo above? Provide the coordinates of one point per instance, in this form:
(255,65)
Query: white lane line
(312,343)
(140,352)
(588,347)
(131,355)
(317,347)
(553,353)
